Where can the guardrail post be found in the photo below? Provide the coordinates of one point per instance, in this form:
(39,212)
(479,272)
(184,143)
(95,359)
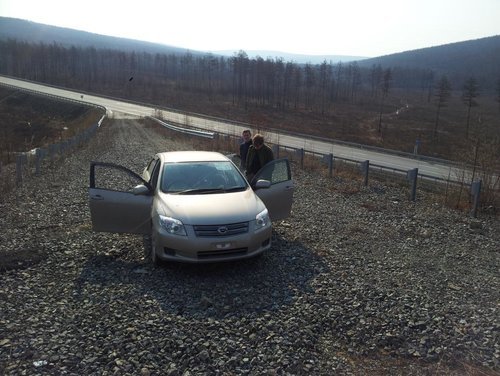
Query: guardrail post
(475,191)
(51,152)
(38,160)
(412,176)
(329,161)
(19,169)
(365,168)
(301,155)
(276,151)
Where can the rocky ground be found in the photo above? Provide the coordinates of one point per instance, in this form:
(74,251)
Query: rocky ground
(359,281)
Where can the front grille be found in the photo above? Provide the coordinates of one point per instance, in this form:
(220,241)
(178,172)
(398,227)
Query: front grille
(222,253)
(210,231)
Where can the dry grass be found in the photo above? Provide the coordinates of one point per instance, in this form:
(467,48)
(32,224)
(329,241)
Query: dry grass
(14,141)
(415,366)
(31,121)
(451,195)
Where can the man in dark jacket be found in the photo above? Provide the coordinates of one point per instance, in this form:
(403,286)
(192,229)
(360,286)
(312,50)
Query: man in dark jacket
(259,154)
(247,142)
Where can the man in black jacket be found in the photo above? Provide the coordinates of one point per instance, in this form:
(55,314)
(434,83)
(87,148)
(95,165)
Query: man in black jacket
(247,142)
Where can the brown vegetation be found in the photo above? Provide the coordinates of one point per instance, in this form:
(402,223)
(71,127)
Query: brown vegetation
(403,110)
(29,121)
(390,108)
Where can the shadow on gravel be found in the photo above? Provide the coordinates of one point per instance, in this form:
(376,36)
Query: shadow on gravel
(20,259)
(248,287)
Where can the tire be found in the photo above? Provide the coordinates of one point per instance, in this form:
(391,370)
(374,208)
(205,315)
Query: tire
(150,255)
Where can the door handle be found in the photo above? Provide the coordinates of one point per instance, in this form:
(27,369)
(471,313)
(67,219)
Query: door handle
(97,197)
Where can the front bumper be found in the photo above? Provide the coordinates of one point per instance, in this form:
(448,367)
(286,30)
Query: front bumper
(201,249)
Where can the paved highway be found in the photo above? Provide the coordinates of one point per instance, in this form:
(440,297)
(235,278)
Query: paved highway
(116,108)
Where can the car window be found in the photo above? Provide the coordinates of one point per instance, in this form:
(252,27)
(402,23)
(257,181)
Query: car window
(276,172)
(114,179)
(154,174)
(150,167)
(199,176)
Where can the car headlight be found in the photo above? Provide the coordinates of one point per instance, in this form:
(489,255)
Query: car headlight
(172,226)
(262,220)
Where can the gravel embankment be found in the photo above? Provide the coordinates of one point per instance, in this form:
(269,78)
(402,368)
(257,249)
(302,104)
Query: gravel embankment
(359,281)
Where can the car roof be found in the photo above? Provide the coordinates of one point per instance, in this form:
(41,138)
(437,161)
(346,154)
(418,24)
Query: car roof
(191,156)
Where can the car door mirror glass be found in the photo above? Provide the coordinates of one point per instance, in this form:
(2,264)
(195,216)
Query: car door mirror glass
(262,184)
(140,189)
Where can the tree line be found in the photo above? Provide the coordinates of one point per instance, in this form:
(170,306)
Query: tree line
(247,81)
(244,81)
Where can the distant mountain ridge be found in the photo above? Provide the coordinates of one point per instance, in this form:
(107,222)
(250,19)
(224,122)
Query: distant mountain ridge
(33,32)
(464,56)
(478,58)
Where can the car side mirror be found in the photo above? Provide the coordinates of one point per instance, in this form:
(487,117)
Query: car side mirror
(141,189)
(261,183)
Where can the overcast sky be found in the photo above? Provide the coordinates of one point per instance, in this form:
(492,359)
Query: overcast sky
(314,27)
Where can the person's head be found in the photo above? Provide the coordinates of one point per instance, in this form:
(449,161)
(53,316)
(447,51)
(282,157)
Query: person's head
(247,135)
(258,141)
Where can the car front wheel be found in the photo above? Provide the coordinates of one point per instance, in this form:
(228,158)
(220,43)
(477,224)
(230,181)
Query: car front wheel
(150,248)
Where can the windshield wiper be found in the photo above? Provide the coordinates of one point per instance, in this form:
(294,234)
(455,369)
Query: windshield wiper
(209,190)
(236,189)
(201,191)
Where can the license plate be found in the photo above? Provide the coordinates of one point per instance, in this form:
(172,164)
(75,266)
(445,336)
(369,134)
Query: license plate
(223,245)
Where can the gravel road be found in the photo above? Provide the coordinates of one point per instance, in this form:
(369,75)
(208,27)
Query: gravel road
(358,281)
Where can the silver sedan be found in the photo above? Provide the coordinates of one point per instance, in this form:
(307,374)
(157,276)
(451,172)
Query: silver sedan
(193,206)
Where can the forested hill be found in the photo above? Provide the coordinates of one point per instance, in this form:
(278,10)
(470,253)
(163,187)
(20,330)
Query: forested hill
(32,32)
(479,58)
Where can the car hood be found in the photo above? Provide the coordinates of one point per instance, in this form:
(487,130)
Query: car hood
(210,209)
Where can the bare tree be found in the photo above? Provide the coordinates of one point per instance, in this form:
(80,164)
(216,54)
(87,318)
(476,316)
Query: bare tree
(297,80)
(386,84)
(427,80)
(287,83)
(376,73)
(324,74)
(355,80)
(240,64)
(469,95)
(442,96)
(339,71)
(310,83)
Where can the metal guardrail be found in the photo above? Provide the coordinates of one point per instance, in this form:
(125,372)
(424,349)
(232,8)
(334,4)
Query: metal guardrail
(393,170)
(30,162)
(308,136)
(53,96)
(207,134)
(246,125)
(194,132)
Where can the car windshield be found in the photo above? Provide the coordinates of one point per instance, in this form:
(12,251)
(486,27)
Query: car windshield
(201,178)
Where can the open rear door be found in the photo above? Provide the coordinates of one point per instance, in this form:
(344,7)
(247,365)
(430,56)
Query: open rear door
(113,205)
(278,197)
